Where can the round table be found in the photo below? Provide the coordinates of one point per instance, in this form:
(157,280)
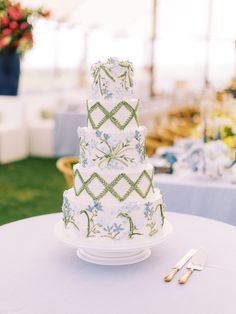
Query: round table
(41,275)
(196,195)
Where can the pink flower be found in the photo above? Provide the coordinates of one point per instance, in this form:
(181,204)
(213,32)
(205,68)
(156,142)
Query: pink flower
(6,31)
(23,25)
(13,25)
(15,12)
(5,21)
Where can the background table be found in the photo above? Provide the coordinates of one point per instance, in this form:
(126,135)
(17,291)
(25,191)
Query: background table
(40,275)
(191,195)
(66,138)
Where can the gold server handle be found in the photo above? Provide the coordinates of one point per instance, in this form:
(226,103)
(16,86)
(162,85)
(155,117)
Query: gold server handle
(185,277)
(171,275)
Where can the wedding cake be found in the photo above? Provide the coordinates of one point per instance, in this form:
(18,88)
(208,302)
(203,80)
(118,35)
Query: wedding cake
(113,196)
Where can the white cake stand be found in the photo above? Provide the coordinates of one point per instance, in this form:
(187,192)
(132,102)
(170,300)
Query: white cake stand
(107,252)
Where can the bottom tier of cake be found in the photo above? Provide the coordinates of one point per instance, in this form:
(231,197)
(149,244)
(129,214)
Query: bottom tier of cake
(126,221)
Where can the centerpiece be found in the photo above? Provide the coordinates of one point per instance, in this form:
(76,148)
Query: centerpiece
(16,25)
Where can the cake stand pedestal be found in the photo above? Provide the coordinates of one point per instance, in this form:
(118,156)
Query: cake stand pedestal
(113,258)
(105,252)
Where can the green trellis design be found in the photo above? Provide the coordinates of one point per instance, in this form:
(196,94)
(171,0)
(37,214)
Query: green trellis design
(132,228)
(109,187)
(162,214)
(109,115)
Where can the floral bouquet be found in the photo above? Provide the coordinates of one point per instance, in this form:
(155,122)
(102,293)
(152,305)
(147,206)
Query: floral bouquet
(231,88)
(16,26)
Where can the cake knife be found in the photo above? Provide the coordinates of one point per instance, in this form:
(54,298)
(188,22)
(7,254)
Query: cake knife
(197,262)
(180,264)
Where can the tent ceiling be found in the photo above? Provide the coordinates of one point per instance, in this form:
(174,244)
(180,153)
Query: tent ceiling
(177,18)
(119,17)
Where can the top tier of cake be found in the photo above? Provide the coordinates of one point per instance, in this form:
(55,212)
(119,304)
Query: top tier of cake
(112,80)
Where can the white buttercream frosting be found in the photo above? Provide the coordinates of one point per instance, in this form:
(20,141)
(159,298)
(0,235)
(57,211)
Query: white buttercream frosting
(113,195)
(112,221)
(112,79)
(110,149)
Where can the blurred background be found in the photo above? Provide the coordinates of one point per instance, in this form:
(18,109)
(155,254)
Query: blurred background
(184,56)
(194,41)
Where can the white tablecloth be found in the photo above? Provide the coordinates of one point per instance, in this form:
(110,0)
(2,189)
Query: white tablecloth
(66,137)
(40,275)
(192,195)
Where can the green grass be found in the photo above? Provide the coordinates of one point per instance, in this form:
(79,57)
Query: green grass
(28,188)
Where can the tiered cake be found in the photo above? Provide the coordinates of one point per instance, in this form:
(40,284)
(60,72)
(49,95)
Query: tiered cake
(113,195)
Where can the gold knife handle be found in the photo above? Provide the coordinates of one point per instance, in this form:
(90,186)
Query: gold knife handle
(185,277)
(171,275)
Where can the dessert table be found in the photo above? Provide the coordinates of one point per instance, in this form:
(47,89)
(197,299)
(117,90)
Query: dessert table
(41,275)
(215,199)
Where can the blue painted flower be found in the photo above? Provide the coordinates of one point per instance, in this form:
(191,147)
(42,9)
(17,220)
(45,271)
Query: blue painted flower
(66,203)
(68,212)
(98,133)
(108,96)
(117,228)
(108,229)
(90,208)
(138,147)
(137,135)
(84,162)
(140,150)
(98,206)
(106,136)
(112,60)
(148,204)
(148,210)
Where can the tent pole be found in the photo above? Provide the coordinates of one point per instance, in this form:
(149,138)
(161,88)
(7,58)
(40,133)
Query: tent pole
(153,40)
(208,38)
(235,59)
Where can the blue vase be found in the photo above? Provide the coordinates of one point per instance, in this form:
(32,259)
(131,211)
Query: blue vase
(9,72)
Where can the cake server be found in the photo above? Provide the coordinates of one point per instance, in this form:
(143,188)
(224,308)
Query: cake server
(197,262)
(180,264)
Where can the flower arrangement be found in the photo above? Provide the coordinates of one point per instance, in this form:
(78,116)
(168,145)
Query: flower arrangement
(219,126)
(231,88)
(16,25)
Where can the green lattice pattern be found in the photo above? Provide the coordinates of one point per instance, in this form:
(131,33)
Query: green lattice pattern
(110,187)
(109,115)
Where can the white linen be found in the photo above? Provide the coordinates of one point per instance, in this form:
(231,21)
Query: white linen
(215,199)
(40,275)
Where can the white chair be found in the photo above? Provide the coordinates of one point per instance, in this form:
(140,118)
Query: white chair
(40,123)
(41,139)
(13,133)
